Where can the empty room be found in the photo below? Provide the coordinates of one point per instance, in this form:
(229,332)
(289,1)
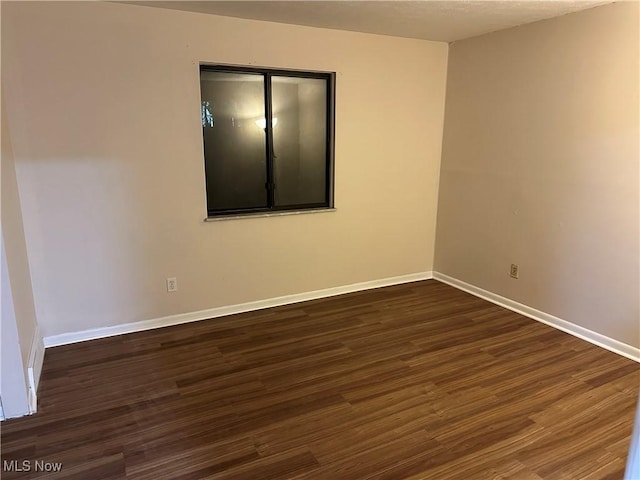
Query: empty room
(320,240)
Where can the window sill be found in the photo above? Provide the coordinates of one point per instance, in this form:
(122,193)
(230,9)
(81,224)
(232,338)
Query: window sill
(269,214)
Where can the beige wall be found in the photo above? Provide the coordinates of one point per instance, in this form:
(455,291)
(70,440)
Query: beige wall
(14,242)
(103,101)
(540,167)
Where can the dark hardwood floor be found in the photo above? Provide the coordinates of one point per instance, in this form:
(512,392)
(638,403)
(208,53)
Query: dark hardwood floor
(416,381)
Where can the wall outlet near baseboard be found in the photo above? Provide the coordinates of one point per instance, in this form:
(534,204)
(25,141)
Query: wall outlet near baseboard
(513,272)
(172,284)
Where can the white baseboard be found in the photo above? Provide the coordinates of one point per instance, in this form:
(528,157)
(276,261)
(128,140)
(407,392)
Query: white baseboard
(576,330)
(37,350)
(66,338)
(34,368)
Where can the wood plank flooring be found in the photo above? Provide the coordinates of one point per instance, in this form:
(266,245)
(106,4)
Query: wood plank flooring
(415,381)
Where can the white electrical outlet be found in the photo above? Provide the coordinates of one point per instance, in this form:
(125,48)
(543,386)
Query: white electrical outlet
(514,270)
(172,284)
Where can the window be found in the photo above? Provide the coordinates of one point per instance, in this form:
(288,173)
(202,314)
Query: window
(268,139)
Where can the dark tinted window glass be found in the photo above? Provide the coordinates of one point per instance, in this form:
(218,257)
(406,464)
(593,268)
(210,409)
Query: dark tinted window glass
(234,140)
(268,139)
(299,109)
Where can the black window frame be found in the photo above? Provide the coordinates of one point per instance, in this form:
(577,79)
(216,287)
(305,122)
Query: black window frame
(267,73)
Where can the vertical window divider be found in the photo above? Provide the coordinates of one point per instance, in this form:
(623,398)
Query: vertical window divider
(268,113)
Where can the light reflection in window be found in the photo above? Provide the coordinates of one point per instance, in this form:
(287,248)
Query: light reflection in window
(207,115)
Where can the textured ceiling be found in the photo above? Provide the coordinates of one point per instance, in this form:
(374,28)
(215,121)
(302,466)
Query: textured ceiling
(427,19)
